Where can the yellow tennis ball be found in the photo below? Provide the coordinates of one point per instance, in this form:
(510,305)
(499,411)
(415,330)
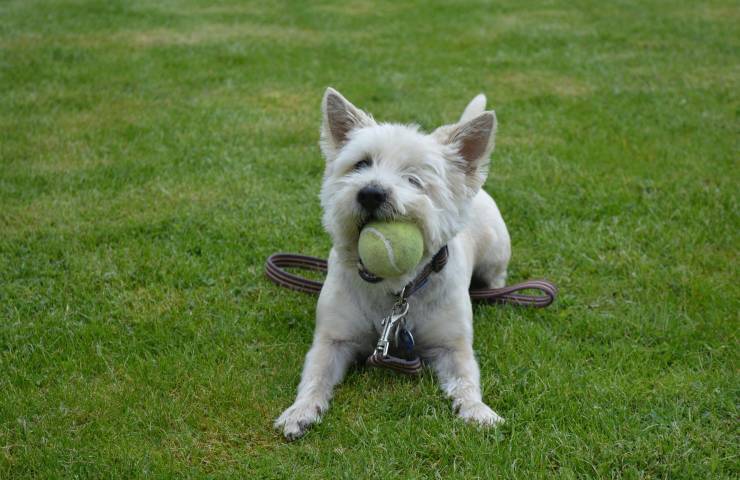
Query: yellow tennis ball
(390,249)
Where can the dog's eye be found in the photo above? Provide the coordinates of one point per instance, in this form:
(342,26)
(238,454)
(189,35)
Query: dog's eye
(413,180)
(364,163)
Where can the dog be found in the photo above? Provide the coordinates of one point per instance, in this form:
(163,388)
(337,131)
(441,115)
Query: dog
(384,171)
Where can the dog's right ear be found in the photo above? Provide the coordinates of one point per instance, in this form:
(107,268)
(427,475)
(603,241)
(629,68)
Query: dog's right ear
(340,118)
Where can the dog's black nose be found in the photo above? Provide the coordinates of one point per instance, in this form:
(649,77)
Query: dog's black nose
(371,197)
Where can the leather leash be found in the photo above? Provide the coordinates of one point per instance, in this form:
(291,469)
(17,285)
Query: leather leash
(274,269)
(394,323)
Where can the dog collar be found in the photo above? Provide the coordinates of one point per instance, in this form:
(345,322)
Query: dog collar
(436,264)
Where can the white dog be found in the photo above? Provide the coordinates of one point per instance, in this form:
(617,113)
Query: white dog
(383,171)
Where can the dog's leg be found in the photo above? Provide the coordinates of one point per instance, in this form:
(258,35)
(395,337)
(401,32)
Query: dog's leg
(342,334)
(325,366)
(459,375)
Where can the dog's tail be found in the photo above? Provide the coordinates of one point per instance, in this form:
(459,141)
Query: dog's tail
(474,108)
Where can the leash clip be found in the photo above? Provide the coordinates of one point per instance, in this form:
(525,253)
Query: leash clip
(390,326)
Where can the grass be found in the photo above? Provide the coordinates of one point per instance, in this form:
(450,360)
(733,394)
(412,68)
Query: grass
(152,154)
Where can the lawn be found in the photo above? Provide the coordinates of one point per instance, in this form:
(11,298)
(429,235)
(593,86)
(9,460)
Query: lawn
(154,153)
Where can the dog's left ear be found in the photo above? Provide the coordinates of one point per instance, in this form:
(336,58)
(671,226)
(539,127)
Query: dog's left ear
(473,142)
(340,118)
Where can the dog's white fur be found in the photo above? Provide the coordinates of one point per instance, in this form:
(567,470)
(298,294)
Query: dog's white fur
(435,181)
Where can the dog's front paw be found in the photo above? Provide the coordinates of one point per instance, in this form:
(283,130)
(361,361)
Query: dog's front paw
(479,413)
(297,418)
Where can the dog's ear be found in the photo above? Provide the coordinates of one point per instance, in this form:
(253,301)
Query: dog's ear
(473,141)
(340,117)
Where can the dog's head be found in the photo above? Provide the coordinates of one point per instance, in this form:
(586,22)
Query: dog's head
(390,171)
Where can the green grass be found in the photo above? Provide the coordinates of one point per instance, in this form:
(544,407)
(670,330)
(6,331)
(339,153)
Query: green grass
(153,153)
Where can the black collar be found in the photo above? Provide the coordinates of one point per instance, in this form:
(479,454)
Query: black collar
(436,264)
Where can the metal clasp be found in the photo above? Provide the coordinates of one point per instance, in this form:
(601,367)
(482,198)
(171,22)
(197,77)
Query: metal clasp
(390,325)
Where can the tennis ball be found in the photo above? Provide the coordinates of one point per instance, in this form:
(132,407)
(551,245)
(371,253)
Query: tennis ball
(390,249)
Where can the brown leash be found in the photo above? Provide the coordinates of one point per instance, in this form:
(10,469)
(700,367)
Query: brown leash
(274,268)
(394,323)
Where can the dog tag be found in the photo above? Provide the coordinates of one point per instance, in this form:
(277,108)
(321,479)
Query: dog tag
(405,339)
